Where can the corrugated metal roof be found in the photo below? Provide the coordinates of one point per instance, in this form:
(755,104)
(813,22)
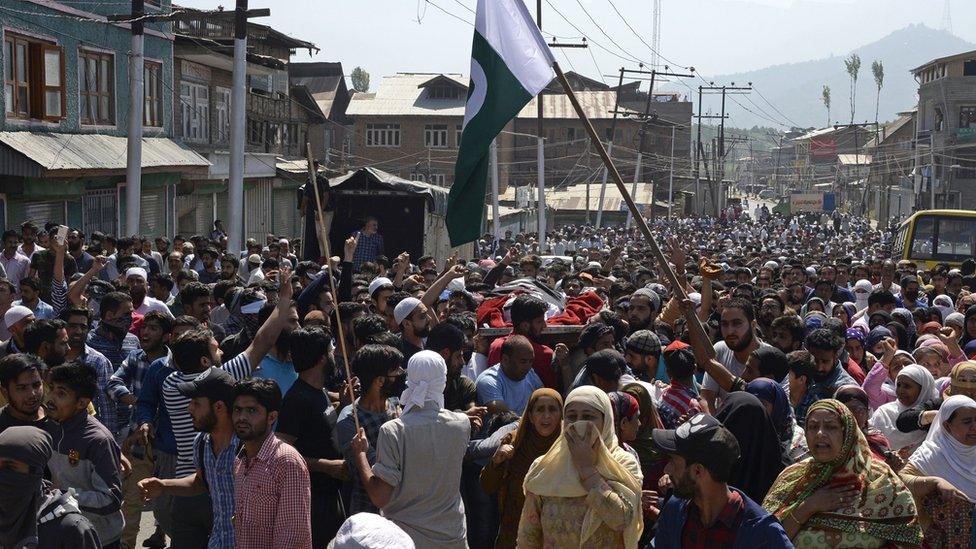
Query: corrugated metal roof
(63,152)
(399,95)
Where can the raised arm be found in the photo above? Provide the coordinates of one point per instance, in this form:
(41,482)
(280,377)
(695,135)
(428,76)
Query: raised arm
(439,285)
(77,290)
(267,334)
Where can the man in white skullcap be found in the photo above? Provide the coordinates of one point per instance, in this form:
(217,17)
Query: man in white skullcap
(135,280)
(423,501)
(17,319)
(411,317)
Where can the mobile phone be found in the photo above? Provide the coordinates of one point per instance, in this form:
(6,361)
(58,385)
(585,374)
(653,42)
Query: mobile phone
(62,234)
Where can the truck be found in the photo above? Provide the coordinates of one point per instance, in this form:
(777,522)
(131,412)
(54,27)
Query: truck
(412,214)
(799,202)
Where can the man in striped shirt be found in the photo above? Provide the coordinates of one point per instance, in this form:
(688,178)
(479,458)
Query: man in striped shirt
(193,353)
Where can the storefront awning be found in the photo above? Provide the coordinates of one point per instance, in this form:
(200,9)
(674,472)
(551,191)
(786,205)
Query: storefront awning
(48,154)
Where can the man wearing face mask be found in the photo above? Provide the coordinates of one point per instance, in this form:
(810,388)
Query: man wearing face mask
(112,339)
(910,295)
(34,513)
(277,364)
(382,380)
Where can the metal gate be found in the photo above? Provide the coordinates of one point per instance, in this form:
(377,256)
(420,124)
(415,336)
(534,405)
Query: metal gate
(98,211)
(258,210)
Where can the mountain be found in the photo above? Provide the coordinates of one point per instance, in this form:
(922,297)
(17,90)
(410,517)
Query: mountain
(795,88)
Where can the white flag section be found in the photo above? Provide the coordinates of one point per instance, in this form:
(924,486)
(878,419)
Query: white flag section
(510,64)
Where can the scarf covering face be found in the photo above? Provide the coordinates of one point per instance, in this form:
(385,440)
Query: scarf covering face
(941,455)
(966,366)
(426,380)
(20,494)
(646,450)
(884,510)
(861,298)
(762,457)
(885,417)
(554,475)
(782,417)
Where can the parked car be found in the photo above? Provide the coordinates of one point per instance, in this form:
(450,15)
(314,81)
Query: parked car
(766,194)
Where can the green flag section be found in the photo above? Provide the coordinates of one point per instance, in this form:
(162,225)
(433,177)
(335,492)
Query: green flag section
(510,64)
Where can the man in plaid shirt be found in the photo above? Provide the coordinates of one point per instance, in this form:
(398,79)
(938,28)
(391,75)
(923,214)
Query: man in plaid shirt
(271,483)
(369,243)
(704,511)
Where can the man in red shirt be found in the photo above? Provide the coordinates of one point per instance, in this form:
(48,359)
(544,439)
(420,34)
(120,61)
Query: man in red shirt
(529,319)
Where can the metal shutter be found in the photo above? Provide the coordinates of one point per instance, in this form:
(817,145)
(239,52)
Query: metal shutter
(258,210)
(152,212)
(286,220)
(42,212)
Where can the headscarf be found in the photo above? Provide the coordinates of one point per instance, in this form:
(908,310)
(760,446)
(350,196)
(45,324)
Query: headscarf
(555,475)
(849,310)
(426,379)
(762,454)
(646,450)
(813,319)
(876,334)
(957,371)
(20,494)
(966,338)
(806,306)
(885,508)
(885,417)
(782,417)
(941,455)
(528,443)
(944,304)
(370,531)
(861,299)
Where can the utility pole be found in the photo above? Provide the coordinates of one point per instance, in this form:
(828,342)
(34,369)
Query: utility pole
(719,150)
(613,129)
(540,141)
(133,163)
(235,180)
(137,19)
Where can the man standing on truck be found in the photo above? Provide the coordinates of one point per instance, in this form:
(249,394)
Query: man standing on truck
(369,243)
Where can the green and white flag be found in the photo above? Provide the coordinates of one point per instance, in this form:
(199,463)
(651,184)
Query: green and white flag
(510,64)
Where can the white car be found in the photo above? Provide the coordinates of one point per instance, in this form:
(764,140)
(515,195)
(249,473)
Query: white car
(766,194)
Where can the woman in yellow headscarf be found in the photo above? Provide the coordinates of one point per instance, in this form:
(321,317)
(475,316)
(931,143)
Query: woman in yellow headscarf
(586,490)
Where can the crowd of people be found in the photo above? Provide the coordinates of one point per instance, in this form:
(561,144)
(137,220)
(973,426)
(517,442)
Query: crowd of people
(797,387)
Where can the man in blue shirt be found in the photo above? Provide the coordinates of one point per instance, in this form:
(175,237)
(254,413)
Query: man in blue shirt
(369,243)
(703,510)
(508,385)
(277,364)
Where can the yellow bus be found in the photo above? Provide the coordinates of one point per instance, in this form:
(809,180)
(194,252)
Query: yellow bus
(930,237)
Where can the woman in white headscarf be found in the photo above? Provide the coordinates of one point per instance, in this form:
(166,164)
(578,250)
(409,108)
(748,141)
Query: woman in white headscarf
(913,386)
(586,490)
(940,475)
(862,290)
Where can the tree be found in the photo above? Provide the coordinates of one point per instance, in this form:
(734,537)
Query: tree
(825,97)
(853,66)
(878,69)
(360,79)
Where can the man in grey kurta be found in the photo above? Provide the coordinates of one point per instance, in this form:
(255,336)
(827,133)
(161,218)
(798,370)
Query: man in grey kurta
(416,478)
(420,455)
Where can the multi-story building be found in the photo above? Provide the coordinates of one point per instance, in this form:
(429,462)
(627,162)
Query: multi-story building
(946,132)
(890,183)
(63,146)
(279,120)
(411,126)
(327,84)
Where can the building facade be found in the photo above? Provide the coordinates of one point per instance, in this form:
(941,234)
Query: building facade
(279,118)
(946,132)
(66,102)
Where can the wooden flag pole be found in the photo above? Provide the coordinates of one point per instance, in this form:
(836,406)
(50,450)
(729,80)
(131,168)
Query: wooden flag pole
(679,286)
(335,295)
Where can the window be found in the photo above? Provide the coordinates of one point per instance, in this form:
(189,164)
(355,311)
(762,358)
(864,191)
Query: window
(939,120)
(255,132)
(570,134)
(438,179)
(435,135)
(382,135)
(457,135)
(195,108)
(222,111)
(152,114)
(96,84)
(969,67)
(33,78)
(445,92)
(967,117)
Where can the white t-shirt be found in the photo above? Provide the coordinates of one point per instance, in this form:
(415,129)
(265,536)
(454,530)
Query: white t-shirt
(727,357)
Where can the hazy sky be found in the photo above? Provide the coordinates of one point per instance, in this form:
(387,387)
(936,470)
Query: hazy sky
(715,36)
